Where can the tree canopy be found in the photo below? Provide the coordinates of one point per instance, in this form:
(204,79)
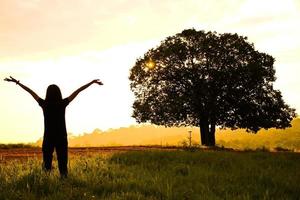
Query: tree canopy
(208,79)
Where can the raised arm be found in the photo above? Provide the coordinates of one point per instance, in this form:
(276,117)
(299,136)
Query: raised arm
(76,92)
(33,94)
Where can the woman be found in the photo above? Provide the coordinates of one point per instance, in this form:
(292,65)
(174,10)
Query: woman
(55,133)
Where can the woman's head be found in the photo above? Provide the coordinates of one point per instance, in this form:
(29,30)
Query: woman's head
(53,94)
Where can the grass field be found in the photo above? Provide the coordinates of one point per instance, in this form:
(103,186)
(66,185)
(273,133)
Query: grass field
(157,174)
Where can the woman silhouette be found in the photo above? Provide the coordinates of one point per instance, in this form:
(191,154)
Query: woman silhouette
(55,133)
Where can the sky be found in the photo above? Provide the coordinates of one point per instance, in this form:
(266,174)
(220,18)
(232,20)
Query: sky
(71,42)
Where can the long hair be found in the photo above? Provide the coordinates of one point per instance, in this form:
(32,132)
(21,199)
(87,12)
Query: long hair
(53,94)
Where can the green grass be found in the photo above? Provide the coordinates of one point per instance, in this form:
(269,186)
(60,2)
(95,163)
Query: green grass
(159,175)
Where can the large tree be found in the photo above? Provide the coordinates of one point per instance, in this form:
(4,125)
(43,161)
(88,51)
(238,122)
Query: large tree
(208,79)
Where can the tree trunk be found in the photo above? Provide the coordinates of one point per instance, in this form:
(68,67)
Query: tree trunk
(211,138)
(204,131)
(207,132)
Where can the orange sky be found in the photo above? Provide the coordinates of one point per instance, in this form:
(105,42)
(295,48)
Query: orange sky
(71,42)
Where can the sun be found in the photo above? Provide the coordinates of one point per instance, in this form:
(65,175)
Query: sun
(150,64)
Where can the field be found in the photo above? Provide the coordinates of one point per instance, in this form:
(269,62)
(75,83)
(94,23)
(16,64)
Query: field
(152,173)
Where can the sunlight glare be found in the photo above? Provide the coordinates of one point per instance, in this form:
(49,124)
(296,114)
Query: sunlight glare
(150,64)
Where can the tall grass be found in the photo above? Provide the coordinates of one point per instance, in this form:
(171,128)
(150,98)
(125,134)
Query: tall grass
(159,175)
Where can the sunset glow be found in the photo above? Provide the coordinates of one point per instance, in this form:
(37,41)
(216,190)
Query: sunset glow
(150,64)
(70,43)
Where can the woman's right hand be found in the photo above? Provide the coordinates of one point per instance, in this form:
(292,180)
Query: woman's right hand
(97,81)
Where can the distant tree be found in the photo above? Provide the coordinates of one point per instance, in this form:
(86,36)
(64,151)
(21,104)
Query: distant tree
(208,79)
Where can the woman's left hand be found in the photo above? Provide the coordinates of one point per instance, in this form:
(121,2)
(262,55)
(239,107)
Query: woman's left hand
(11,79)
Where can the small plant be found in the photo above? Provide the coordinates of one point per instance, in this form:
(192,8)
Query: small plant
(263,149)
(281,149)
(185,144)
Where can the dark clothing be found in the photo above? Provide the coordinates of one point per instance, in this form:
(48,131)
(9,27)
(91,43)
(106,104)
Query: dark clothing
(55,134)
(54,118)
(61,148)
